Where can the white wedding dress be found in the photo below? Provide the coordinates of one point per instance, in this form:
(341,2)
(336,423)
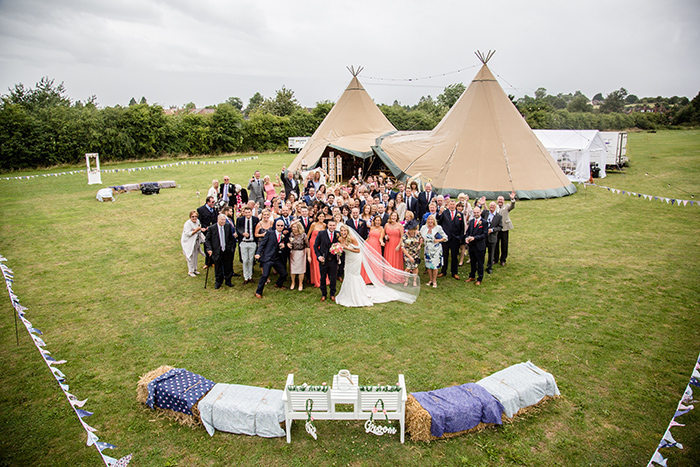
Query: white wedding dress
(354,292)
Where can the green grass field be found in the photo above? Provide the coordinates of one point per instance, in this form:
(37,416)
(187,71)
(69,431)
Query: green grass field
(600,289)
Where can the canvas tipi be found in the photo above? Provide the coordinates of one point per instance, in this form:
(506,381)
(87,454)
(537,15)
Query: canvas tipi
(352,127)
(482,147)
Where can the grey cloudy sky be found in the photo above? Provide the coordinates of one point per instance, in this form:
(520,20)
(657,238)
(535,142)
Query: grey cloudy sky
(204,51)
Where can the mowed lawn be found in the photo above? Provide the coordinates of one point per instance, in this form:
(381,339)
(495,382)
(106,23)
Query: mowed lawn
(600,289)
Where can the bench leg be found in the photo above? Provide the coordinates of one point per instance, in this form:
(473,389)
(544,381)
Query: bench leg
(288,429)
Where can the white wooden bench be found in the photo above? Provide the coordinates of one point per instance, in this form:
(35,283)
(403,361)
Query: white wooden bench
(320,401)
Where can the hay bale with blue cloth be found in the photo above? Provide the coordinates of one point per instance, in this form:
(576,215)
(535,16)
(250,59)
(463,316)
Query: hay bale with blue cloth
(174,392)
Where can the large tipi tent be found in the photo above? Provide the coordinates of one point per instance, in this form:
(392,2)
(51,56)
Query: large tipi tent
(352,127)
(482,147)
(574,151)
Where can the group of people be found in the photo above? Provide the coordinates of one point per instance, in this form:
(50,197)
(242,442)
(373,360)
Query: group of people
(368,233)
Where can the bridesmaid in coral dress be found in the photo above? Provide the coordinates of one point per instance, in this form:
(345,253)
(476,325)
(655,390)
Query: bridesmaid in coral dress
(314,229)
(375,240)
(392,250)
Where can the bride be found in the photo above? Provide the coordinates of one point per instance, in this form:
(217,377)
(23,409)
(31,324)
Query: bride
(354,292)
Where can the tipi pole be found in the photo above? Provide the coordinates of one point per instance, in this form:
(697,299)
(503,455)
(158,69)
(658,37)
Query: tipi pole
(510,177)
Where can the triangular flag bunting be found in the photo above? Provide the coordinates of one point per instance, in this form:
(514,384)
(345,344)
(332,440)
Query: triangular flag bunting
(659,459)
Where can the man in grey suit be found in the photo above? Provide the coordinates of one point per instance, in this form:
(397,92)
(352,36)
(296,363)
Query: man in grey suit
(494,220)
(501,251)
(256,189)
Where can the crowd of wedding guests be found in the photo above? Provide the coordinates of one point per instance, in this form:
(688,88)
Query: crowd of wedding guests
(276,224)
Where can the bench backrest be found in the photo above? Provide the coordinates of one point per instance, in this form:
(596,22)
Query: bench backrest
(320,401)
(394,399)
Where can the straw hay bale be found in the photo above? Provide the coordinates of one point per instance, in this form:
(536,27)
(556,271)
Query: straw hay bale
(191,421)
(418,420)
(142,386)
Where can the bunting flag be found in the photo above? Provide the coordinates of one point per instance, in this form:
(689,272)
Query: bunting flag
(134,169)
(684,406)
(75,403)
(671,201)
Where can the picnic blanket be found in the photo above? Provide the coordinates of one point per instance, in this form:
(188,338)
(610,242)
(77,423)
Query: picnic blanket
(177,390)
(167,184)
(459,408)
(247,410)
(520,386)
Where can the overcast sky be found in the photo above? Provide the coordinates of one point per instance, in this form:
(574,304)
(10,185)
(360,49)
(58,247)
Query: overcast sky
(177,51)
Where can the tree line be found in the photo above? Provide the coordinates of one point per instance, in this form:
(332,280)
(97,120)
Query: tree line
(42,127)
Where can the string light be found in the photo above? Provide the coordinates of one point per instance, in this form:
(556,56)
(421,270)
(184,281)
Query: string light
(422,77)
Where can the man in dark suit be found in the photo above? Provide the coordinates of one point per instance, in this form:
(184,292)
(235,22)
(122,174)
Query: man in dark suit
(381,212)
(389,185)
(269,253)
(226,190)
(220,245)
(305,220)
(477,230)
(310,197)
(452,223)
(207,217)
(424,199)
(328,262)
(245,226)
(207,213)
(287,220)
(228,212)
(495,223)
(412,202)
(357,224)
(290,184)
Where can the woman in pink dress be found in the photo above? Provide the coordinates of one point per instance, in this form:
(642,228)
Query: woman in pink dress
(269,188)
(375,240)
(392,250)
(314,229)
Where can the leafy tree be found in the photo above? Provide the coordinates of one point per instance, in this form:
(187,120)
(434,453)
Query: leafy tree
(540,93)
(254,103)
(45,95)
(235,102)
(227,129)
(304,123)
(598,97)
(614,102)
(189,107)
(690,114)
(631,99)
(264,131)
(579,104)
(284,103)
(427,105)
(558,103)
(450,95)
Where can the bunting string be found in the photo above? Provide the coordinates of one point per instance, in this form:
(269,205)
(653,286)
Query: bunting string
(134,169)
(75,403)
(672,201)
(684,406)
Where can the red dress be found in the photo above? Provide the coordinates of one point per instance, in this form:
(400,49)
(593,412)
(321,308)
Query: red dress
(315,272)
(393,257)
(374,242)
